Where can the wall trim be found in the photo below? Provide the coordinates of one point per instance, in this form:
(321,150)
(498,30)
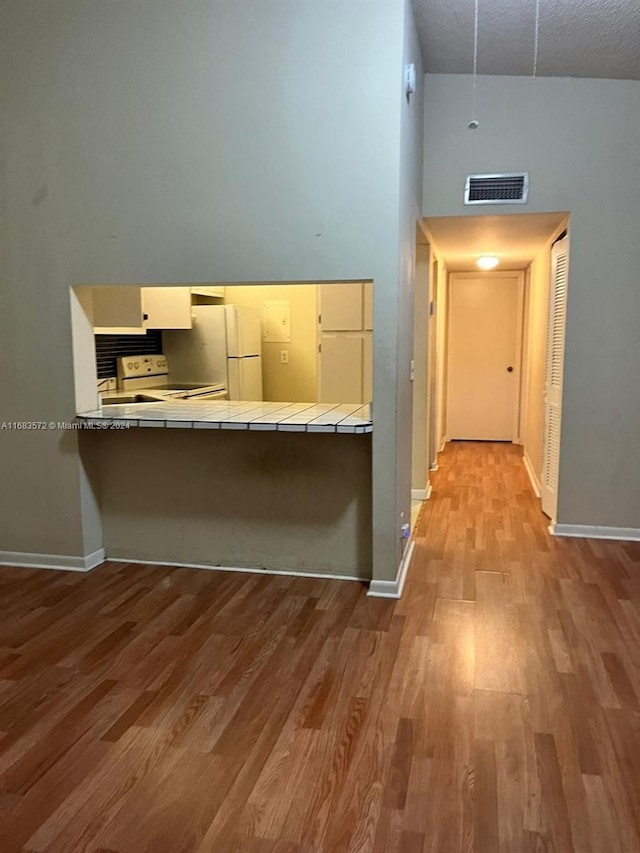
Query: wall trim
(393,589)
(420,494)
(256,570)
(429,490)
(25,560)
(434,467)
(595,531)
(535,483)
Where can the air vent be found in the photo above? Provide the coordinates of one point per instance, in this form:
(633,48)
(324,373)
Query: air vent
(507,188)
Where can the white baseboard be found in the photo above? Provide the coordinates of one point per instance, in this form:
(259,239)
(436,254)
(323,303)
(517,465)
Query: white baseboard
(421,494)
(24,560)
(443,443)
(433,467)
(535,483)
(255,570)
(594,531)
(393,589)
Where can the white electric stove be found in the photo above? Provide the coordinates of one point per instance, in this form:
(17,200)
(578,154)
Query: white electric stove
(142,373)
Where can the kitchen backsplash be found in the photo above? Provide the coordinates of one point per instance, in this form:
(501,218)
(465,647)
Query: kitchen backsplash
(111,347)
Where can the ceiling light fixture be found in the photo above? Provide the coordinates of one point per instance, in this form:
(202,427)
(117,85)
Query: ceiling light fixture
(488,262)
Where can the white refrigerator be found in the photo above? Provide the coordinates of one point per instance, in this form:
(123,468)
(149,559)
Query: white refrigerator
(223,346)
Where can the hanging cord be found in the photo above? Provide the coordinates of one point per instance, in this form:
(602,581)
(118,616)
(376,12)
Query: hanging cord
(537,40)
(475,55)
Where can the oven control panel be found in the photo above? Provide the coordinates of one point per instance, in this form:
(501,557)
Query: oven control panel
(134,366)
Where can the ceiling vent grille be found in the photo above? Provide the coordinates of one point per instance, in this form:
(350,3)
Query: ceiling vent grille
(506,188)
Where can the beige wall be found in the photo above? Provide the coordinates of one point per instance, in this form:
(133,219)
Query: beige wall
(578,139)
(297,380)
(288,501)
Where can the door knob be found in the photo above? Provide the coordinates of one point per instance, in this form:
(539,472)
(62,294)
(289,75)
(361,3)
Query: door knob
(510,369)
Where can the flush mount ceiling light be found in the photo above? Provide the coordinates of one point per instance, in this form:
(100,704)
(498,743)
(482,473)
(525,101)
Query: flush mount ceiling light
(488,262)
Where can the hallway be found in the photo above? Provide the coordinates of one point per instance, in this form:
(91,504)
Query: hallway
(494,708)
(528,713)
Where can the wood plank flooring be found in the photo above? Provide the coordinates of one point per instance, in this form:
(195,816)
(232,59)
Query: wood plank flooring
(495,708)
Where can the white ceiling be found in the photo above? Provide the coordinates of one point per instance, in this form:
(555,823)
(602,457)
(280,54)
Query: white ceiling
(577,38)
(515,239)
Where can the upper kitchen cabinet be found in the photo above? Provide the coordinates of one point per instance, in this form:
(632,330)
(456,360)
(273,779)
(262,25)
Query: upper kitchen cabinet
(341,307)
(166,307)
(117,309)
(208,290)
(131,309)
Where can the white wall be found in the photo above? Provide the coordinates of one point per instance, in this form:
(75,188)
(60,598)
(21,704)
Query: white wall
(579,141)
(190,140)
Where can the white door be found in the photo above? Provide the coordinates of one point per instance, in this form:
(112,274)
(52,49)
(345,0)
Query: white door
(554,370)
(485,324)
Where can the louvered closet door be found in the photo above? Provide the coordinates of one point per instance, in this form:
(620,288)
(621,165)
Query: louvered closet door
(554,373)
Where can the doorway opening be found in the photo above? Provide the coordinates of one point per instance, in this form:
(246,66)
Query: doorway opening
(498,337)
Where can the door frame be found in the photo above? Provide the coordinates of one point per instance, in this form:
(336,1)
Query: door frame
(520,318)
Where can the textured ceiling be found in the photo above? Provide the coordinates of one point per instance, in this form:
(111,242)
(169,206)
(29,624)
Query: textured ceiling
(515,239)
(577,38)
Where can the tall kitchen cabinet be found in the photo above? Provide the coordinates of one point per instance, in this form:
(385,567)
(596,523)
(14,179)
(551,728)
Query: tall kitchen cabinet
(345,345)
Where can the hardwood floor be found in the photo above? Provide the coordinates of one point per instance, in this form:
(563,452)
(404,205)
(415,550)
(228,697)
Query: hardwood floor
(496,707)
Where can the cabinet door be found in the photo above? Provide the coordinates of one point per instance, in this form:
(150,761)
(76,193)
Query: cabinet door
(341,307)
(117,310)
(166,307)
(340,369)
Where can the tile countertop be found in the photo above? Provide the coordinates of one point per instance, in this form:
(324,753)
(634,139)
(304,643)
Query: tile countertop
(225,414)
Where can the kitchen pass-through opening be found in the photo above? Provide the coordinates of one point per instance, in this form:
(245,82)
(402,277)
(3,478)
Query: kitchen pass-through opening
(273,342)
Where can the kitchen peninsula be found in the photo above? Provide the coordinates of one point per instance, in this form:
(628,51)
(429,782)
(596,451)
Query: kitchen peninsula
(254,486)
(206,472)
(237,415)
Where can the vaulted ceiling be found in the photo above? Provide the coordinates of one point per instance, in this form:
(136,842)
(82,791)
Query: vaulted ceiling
(577,38)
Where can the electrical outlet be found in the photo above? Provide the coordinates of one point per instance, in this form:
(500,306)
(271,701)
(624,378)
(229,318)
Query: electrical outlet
(284,356)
